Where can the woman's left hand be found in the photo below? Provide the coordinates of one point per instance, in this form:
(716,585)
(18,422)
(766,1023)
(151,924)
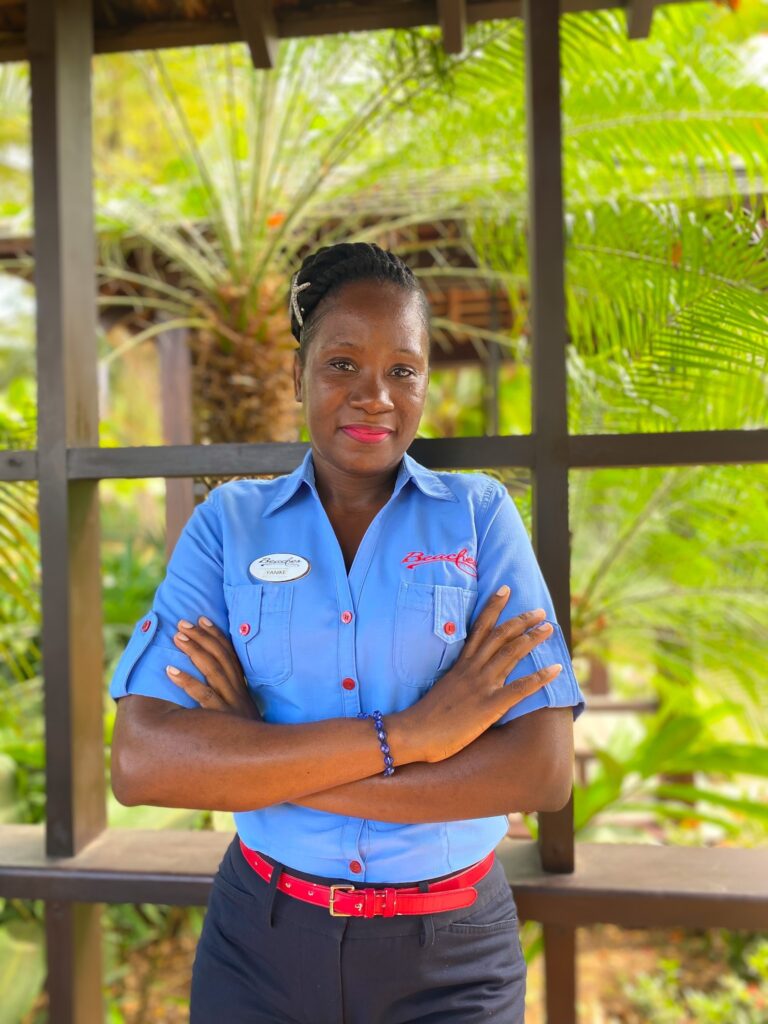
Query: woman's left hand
(212,654)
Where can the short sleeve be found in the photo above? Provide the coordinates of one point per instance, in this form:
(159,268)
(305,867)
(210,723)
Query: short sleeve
(505,555)
(193,586)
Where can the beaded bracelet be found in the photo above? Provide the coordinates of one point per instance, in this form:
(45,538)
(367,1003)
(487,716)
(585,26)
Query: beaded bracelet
(378,721)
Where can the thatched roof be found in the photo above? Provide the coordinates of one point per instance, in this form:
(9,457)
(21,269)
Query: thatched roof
(150,24)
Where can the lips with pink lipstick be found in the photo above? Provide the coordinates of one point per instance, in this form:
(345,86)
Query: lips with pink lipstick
(366,434)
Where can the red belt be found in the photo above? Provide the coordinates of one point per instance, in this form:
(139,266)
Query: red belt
(348,901)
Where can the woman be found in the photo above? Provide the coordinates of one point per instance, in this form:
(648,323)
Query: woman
(361,886)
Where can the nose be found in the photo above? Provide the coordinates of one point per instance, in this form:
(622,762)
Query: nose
(371,392)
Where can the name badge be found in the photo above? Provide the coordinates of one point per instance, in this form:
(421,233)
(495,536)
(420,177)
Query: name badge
(279,568)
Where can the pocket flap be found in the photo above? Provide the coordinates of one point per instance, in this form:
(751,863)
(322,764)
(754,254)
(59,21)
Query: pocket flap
(141,638)
(451,607)
(244,601)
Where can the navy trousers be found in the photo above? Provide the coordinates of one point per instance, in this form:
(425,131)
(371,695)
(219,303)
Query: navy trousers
(265,957)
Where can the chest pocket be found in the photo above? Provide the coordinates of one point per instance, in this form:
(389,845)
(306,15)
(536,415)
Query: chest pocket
(260,628)
(430,629)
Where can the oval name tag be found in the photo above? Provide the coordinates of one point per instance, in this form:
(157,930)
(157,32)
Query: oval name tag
(279,568)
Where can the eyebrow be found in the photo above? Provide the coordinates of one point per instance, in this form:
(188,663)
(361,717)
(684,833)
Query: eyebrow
(352,344)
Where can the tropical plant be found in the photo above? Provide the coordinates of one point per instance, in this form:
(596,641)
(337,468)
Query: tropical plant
(15,182)
(277,162)
(664,155)
(667,299)
(738,998)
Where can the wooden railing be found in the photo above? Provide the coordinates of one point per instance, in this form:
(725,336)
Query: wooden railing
(74,863)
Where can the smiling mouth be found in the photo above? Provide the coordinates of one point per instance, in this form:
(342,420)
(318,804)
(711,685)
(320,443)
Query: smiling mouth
(368,435)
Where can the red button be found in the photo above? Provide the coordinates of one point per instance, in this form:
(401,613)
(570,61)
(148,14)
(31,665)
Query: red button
(346,616)
(356,866)
(348,684)
(145,625)
(450,628)
(245,629)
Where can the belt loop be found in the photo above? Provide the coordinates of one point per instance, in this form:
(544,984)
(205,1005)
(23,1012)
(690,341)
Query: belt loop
(277,870)
(427,923)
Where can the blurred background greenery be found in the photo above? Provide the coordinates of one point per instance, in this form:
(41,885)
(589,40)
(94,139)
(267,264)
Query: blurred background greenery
(212,181)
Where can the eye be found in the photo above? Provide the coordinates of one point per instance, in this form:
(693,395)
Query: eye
(344,362)
(409,372)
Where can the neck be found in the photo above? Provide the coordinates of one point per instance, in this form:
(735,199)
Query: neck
(339,489)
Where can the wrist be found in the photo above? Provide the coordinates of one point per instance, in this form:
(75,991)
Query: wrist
(402,739)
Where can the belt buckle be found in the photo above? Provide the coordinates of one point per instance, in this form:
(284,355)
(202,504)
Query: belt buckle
(334,889)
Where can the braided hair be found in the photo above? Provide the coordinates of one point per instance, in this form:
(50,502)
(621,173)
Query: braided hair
(327,269)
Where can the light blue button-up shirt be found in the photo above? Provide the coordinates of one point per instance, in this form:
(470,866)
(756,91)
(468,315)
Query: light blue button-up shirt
(261,559)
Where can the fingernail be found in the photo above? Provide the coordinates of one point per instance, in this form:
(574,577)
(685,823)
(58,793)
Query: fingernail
(173,671)
(543,628)
(502,591)
(185,625)
(205,621)
(180,636)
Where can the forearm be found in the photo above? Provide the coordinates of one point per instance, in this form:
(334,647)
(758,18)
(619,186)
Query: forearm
(504,770)
(183,757)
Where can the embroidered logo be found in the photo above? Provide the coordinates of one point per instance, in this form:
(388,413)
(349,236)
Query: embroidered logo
(461,560)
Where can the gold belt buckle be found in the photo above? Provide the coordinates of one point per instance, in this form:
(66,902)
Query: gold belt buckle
(334,889)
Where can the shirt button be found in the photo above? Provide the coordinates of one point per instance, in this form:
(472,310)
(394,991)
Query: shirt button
(346,616)
(145,625)
(348,684)
(245,629)
(449,627)
(356,866)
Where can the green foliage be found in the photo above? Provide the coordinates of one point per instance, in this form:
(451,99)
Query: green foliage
(738,998)
(264,165)
(664,146)
(676,742)
(666,286)
(669,575)
(22,968)
(15,184)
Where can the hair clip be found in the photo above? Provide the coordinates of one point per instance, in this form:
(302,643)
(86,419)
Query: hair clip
(295,289)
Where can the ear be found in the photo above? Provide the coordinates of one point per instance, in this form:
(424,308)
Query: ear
(297,377)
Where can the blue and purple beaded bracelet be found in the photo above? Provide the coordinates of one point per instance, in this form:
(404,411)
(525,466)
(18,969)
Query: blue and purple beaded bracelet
(378,721)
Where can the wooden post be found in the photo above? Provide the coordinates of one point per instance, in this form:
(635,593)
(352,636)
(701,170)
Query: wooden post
(491,367)
(452,16)
(551,537)
(176,403)
(60,39)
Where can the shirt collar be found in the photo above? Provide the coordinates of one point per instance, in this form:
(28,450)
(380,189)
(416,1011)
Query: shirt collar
(427,481)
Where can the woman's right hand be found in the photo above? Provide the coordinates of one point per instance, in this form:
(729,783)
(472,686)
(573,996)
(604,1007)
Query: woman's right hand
(471,696)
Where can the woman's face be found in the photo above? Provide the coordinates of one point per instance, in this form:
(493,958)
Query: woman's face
(366,366)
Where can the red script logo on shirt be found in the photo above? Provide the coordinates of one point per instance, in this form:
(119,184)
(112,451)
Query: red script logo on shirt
(461,560)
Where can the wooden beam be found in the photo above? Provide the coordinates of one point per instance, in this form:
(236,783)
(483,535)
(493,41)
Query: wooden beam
(60,41)
(18,465)
(60,35)
(73,942)
(546,258)
(176,392)
(559,973)
(678,448)
(370,17)
(633,885)
(257,23)
(639,17)
(452,16)
(640,885)
(588,451)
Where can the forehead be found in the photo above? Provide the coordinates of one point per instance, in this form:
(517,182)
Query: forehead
(371,310)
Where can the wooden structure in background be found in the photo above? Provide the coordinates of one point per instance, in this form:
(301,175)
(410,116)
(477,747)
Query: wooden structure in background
(74,863)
